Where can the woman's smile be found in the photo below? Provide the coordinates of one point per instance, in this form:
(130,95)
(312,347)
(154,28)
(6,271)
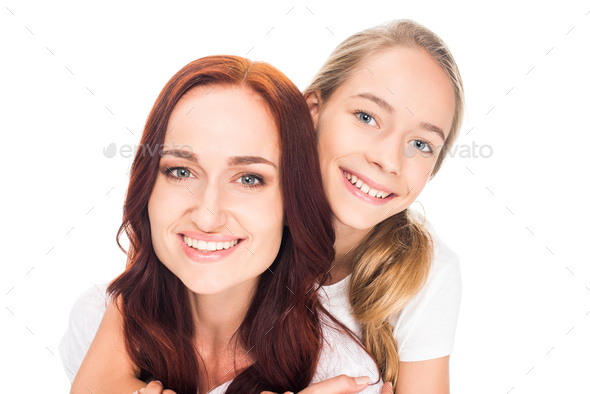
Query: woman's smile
(216,212)
(208,252)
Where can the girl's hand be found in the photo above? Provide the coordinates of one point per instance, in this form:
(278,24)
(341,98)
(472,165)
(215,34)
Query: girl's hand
(154,387)
(341,384)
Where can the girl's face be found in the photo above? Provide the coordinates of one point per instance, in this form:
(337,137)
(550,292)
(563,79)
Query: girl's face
(380,133)
(225,198)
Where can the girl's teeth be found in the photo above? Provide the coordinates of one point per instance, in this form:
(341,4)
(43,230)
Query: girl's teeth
(365,188)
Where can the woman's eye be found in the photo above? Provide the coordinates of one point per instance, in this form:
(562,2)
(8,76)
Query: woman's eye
(178,173)
(182,173)
(248,180)
(422,146)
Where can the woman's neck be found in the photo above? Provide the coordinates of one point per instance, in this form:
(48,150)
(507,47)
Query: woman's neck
(217,318)
(347,238)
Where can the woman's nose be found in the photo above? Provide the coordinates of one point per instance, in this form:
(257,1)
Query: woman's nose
(208,213)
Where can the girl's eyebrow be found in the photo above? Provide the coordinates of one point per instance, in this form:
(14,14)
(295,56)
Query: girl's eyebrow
(377,100)
(389,108)
(433,129)
(232,161)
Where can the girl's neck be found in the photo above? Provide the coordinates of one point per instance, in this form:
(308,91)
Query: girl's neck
(347,238)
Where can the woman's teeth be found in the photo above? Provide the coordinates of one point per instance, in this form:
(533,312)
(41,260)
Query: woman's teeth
(364,188)
(209,246)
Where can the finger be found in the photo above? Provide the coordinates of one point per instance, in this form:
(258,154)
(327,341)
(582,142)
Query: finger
(341,384)
(387,388)
(168,391)
(153,387)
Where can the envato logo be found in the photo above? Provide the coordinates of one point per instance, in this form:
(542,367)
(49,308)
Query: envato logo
(126,151)
(466,151)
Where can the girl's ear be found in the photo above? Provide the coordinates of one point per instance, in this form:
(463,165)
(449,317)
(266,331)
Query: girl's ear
(313,103)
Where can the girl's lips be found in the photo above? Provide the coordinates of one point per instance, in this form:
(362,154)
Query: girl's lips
(363,196)
(369,182)
(208,257)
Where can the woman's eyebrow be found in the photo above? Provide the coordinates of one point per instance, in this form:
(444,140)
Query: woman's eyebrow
(243,160)
(232,161)
(189,155)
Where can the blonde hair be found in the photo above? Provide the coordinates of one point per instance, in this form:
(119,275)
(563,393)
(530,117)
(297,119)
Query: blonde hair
(392,263)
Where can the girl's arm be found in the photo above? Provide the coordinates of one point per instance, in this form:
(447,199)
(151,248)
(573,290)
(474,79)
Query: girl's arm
(424,377)
(107,368)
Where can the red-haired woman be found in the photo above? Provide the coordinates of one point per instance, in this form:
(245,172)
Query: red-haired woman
(229,232)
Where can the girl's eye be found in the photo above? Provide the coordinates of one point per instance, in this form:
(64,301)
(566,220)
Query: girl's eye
(183,173)
(423,146)
(251,180)
(366,117)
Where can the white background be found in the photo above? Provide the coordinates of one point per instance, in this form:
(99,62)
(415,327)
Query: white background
(77,76)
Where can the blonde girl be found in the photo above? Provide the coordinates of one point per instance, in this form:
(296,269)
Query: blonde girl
(387,105)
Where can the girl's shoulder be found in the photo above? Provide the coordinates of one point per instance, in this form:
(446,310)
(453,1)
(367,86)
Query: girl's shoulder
(445,258)
(342,354)
(426,326)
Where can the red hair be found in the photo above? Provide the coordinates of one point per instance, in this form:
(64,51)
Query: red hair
(158,321)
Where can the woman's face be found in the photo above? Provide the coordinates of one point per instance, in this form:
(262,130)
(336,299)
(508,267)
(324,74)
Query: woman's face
(227,192)
(378,130)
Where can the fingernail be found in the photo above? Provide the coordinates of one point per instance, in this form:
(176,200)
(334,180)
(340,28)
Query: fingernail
(362,380)
(141,390)
(158,381)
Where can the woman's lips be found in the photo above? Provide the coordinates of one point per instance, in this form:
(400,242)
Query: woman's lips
(207,257)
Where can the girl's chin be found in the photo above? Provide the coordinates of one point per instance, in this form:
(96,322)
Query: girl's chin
(357,221)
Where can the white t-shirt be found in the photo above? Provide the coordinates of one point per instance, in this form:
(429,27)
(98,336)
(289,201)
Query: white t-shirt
(340,354)
(425,329)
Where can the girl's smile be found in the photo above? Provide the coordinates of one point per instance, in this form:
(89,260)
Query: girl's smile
(363,190)
(397,103)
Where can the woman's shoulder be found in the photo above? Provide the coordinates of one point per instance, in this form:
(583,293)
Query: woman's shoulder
(89,306)
(85,317)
